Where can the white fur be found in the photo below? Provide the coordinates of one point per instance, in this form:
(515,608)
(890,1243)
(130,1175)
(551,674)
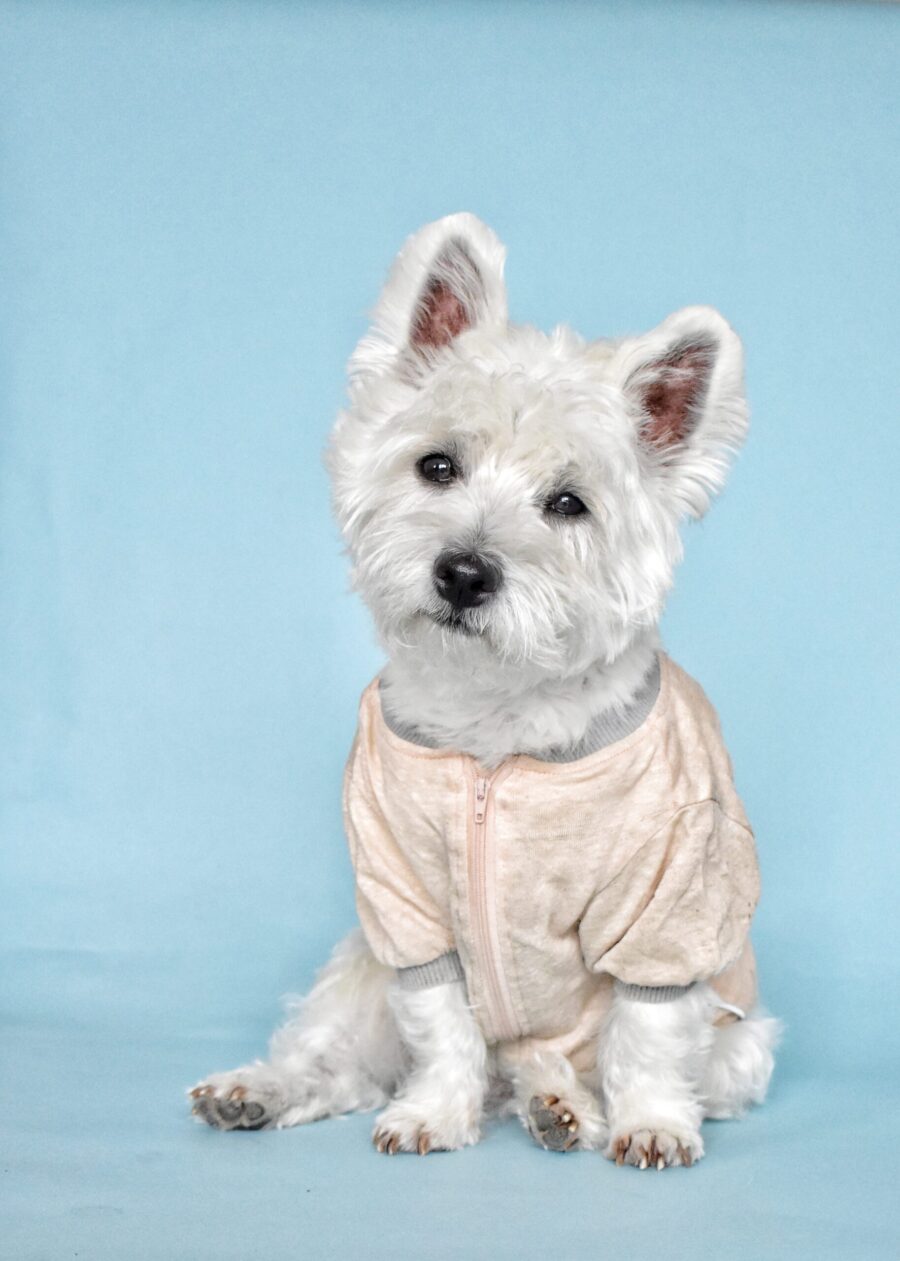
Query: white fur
(570,634)
(339,1051)
(739,1067)
(574,626)
(441,1102)
(651,1062)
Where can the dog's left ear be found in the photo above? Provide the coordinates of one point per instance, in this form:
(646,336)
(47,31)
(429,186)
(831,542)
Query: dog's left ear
(448,278)
(684,384)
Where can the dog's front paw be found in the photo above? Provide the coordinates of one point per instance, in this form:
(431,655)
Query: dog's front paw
(246,1099)
(655,1148)
(406,1126)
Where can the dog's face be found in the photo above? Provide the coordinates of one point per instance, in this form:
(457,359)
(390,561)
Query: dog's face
(512,497)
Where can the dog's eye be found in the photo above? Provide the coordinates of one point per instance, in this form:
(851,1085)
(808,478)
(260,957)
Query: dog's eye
(567,505)
(437,468)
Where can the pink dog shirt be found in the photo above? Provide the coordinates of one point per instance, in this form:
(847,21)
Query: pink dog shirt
(549,882)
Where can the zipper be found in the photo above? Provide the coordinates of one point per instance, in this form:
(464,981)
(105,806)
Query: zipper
(481,787)
(483,901)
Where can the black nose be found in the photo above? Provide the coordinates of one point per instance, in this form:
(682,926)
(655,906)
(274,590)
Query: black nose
(465,580)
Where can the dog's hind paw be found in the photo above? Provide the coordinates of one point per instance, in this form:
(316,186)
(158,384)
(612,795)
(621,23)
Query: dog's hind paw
(247,1099)
(552,1123)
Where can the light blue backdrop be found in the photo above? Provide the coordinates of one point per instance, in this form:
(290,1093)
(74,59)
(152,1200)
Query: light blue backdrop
(198,204)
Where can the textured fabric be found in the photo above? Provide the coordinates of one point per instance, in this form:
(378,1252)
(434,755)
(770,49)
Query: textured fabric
(605,729)
(651,993)
(635,863)
(439,971)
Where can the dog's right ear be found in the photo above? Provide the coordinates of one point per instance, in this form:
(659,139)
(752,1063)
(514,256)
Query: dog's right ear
(447,279)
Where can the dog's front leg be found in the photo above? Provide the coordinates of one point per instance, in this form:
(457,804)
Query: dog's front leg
(440,1104)
(651,1062)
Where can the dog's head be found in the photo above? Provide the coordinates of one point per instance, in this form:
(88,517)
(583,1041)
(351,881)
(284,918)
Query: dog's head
(512,496)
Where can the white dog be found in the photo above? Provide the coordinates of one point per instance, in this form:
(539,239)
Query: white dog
(555,876)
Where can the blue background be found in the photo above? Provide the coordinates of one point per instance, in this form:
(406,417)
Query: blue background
(198,204)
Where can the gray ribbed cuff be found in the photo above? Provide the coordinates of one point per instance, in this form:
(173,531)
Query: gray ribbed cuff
(652,993)
(440,971)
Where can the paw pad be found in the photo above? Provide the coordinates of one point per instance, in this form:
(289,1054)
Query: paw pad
(233,1111)
(552,1123)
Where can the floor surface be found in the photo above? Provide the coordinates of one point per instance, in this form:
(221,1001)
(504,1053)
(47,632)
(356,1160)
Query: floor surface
(101,1160)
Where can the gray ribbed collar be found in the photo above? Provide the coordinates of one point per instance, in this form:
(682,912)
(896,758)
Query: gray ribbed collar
(605,729)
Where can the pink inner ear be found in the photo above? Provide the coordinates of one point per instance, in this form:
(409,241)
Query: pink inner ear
(441,316)
(670,398)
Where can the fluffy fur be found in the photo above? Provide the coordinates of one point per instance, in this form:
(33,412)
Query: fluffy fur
(642,430)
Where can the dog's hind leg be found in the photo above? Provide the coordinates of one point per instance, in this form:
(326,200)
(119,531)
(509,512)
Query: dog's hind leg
(557,1108)
(739,1066)
(338,1052)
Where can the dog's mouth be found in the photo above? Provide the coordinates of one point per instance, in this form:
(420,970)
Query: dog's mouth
(453,622)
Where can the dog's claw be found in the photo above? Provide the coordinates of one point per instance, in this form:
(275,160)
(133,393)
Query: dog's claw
(389,1143)
(645,1149)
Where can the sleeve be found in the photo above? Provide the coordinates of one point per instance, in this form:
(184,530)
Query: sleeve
(395,897)
(680,910)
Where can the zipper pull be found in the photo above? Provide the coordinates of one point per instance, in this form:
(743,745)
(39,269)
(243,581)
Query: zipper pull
(480,799)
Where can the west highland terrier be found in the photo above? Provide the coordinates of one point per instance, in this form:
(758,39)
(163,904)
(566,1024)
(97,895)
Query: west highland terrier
(554,873)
